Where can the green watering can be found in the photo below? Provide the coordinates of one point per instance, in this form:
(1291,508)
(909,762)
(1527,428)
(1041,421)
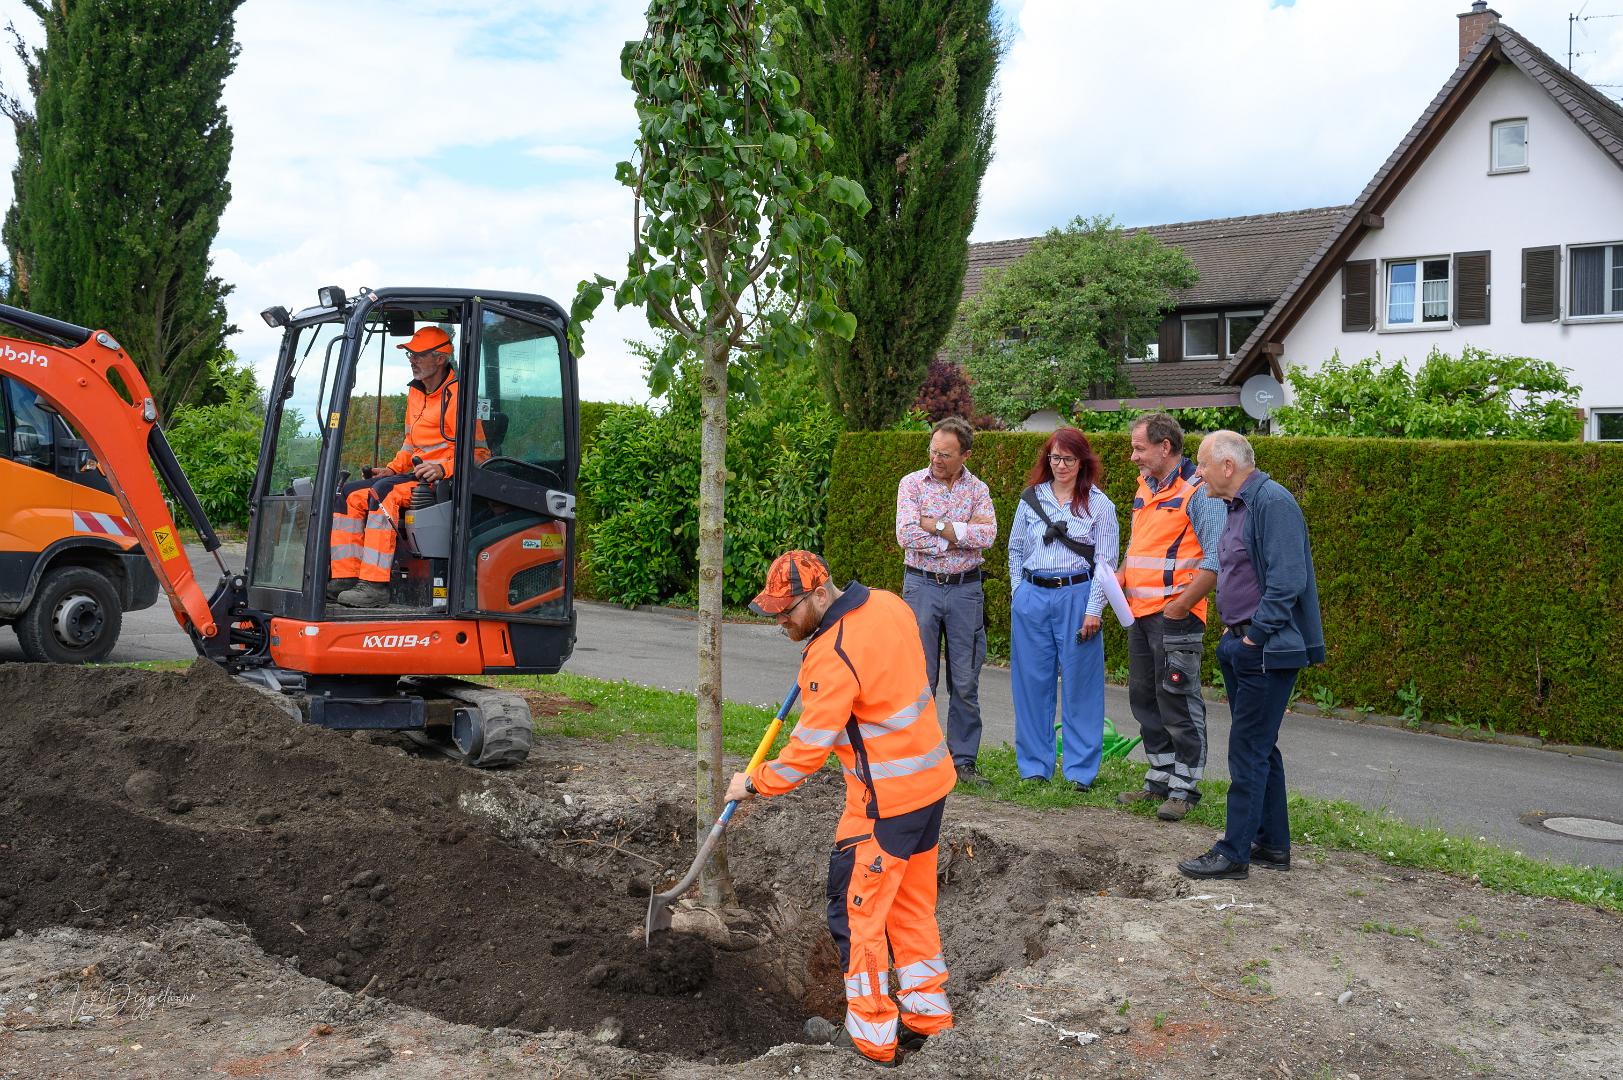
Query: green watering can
(1115,746)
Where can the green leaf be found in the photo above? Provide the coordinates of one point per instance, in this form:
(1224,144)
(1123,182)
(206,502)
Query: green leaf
(849,193)
(844,326)
(783,147)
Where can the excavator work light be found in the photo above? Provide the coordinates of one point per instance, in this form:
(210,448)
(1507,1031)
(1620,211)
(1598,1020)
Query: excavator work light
(274,316)
(331,296)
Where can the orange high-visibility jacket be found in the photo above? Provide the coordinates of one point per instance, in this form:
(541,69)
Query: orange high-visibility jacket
(1163,554)
(864,697)
(431,428)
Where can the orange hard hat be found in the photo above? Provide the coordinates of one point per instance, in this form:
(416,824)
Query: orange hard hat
(428,339)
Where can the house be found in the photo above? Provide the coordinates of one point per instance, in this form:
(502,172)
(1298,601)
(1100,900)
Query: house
(1497,222)
(1245,264)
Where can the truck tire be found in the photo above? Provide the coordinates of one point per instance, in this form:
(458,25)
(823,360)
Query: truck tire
(74,618)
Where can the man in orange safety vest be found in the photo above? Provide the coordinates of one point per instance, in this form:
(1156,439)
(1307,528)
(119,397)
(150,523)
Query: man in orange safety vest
(865,699)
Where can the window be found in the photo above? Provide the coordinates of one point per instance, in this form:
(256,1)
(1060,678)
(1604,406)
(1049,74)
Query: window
(1596,285)
(1240,324)
(1509,141)
(1608,425)
(32,430)
(1417,293)
(1200,337)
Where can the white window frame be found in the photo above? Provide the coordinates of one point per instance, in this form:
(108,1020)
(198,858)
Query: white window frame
(1615,314)
(1418,325)
(1228,328)
(1594,423)
(1496,169)
(1217,335)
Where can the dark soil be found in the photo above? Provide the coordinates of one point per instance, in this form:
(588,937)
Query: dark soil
(148,796)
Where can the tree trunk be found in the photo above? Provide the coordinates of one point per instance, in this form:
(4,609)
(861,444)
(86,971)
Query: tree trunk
(716,883)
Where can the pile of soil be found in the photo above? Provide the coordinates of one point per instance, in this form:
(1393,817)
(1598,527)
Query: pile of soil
(146,796)
(193,884)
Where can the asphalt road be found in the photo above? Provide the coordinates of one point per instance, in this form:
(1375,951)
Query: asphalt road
(1470,789)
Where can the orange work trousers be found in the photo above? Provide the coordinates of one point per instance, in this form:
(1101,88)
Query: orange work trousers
(363,536)
(881,911)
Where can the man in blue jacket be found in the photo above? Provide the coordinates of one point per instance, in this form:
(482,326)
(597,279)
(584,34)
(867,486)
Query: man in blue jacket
(1269,603)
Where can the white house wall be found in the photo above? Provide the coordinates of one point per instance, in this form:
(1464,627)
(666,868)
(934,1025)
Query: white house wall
(1572,193)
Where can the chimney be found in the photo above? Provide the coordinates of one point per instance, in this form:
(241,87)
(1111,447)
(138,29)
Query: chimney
(1474,23)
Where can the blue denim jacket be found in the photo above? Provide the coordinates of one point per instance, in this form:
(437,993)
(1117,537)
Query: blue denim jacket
(1286,623)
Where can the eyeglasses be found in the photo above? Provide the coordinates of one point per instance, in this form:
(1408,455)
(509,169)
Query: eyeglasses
(1064,460)
(427,354)
(786,612)
(944,455)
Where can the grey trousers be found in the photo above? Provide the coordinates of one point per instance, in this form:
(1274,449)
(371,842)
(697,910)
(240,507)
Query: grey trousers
(954,616)
(1163,688)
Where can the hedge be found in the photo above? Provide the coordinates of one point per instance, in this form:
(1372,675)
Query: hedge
(591,415)
(1469,582)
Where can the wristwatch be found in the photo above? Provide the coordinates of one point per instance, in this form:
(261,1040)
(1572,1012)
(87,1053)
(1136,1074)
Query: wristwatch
(749,785)
(941,527)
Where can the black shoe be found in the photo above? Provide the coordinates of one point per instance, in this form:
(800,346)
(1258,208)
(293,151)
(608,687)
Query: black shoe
(338,585)
(1079,787)
(968,774)
(1034,779)
(1271,858)
(842,1039)
(908,1041)
(1213,864)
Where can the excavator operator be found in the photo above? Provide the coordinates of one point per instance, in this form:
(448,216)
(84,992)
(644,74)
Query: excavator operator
(363,534)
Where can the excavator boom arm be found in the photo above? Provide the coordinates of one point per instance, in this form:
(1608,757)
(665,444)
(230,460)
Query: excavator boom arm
(88,378)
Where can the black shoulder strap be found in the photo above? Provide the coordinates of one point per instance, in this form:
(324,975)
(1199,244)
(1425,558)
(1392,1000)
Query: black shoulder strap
(1055,531)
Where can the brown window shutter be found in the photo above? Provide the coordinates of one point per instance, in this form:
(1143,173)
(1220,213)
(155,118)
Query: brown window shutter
(1541,284)
(1358,295)
(1472,303)
(1171,338)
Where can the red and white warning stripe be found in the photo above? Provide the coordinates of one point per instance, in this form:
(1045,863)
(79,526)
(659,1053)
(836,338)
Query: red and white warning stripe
(88,521)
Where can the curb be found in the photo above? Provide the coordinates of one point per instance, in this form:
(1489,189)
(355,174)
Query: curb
(1449,731)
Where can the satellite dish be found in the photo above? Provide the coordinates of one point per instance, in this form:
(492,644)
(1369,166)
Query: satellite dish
(1261,395)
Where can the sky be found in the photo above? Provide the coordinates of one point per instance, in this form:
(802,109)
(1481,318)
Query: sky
(426,142)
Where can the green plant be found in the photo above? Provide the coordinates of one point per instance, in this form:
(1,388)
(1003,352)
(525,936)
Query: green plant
(1470,924)
(1159,1021)
(218,445)
(1413,702)
(1126,1003)
(1410,932)
(1253,976)
(1324,696)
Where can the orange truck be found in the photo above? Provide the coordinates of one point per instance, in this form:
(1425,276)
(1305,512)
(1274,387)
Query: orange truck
(70,564)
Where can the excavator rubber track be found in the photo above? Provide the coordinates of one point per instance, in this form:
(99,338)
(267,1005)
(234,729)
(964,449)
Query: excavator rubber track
(491,729)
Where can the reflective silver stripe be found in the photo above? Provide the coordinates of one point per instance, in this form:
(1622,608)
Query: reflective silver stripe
(889,770)
(911,975)
(1158,776)
(788,774)
(347,551)
(817,736)
(379,519)
(899,720)
(924,1003)
(347,525)
(877,1034)
(482,444)
(1154,562)
(377,558)
(441,445)
(856,986)
(1154,590)
(1162,759)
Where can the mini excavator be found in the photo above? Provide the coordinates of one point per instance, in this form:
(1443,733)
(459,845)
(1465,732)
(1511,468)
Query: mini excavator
(482,576)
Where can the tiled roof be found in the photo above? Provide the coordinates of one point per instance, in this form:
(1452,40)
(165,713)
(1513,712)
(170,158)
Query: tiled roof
(1598,116)
(1183,377)
(1241,260)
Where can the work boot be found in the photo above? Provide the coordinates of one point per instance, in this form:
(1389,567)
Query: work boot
(842,1039)
(1173,809)
(1128,798)
(367,594)
(338,585)
(908,1041)
(1271,858)
(968,774)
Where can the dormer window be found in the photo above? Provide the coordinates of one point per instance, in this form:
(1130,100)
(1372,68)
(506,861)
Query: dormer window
(1509,140)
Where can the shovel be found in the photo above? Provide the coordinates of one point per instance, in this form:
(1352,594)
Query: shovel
(659,904)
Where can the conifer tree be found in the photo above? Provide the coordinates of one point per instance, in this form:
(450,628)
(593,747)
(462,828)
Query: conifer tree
(904,87)
(120,179)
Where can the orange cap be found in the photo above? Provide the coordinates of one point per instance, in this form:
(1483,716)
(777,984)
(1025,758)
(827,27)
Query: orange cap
(791,576)
(428,339)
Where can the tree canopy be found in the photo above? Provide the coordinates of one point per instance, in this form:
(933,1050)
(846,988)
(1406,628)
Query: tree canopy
(1059,318)
(121,179)
(1477,395)
(904,87)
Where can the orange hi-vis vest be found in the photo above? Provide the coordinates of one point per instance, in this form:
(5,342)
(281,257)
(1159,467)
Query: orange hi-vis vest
(431,428)
(864,698)
(1163,554)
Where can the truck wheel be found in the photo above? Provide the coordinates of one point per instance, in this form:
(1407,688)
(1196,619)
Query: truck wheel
(74,619)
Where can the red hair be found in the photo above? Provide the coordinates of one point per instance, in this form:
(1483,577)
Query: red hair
(1089,470)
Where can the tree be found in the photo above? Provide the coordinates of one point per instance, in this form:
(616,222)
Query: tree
(731,252)
(946,392)
(905,89)
(121,179)
(1479,395)
(1059,318)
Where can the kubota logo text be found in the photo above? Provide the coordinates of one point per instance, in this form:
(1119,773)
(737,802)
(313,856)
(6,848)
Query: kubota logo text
(27,356)
(396,641)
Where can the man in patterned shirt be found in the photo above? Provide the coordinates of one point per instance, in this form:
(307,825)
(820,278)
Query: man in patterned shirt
(945,522)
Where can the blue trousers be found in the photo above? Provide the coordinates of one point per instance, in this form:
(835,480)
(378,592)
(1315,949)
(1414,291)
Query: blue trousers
(1257,700)
(1044,650)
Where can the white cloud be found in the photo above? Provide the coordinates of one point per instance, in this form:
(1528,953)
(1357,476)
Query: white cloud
(424,142)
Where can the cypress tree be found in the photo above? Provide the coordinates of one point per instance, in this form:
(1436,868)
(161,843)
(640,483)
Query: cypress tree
(904,87)
(121,179)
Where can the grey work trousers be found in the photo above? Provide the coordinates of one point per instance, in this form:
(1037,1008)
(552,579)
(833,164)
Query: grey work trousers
(1163,688)
(954,616)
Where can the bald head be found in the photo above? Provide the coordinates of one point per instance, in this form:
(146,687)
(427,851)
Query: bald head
(1226,460)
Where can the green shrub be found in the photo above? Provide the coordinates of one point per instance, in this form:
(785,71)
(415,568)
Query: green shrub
(218,445)
(1488,574)
(592,415)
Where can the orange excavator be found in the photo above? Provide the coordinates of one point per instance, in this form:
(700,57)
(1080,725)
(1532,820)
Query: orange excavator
(481,581)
